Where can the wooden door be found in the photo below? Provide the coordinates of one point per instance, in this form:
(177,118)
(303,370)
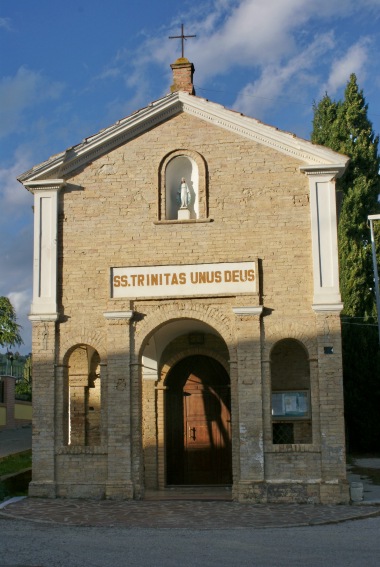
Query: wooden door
(198,423)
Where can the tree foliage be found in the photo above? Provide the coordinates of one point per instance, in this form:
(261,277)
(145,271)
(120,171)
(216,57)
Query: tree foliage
(9,329)
(344,127)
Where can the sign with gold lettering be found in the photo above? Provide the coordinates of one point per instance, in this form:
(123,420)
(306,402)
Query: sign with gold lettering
(191,279)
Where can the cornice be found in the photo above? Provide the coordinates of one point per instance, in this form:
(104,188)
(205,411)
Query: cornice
(332,171)
(43,317)
(255,130)
(322,307)
(118,315)
(169,106)
(45,185)
(248,310)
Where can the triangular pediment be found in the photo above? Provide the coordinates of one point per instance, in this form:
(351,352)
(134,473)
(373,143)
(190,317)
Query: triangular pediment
(62,164)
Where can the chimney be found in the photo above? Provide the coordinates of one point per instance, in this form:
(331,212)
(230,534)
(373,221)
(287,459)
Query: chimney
(183,72)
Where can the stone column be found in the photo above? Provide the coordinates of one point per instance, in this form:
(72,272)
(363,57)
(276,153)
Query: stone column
(43,439)
(119,481)
(78,385)
(334,487)
(149,410)
(250,396)
(62,405)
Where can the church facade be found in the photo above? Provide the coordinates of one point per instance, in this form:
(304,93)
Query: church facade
(185,311)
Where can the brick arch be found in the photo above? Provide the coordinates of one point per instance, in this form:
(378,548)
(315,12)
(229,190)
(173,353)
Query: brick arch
(213,317)
(190,352)
(91,339)
(196,156)
(286,331)
(284,339)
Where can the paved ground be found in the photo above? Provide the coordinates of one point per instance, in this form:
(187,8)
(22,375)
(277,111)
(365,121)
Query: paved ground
(15,440)
(175,510)
(200,514)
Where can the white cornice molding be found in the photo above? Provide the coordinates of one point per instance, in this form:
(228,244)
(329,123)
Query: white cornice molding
(255,130)
(163,109)
(45,185)
(251,311)
(331,171)
(43,317)
(112,315)
(327,307)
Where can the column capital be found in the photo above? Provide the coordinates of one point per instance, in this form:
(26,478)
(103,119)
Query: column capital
(118,315)
(248,311)
(331,172)
(45,185)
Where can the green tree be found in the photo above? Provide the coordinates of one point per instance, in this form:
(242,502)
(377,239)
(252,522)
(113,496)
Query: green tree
(9,329)
(344,127)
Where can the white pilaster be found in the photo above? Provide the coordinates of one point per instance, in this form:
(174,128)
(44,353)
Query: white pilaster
(44,305)
(324,236)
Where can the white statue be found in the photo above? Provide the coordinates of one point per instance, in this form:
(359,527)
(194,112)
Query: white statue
(184,196)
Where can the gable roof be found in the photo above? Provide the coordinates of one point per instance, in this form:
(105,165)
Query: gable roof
(62,164)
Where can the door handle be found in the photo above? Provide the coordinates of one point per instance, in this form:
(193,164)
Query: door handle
(192,433)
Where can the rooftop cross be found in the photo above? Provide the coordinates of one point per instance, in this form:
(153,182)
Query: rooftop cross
(182,37)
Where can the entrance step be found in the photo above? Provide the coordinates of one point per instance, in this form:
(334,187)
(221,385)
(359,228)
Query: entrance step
(190,493)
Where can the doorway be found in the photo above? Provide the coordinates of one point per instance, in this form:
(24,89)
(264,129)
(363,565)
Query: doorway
(198,423)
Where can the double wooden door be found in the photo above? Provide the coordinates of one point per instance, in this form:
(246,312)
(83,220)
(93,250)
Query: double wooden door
(198,423)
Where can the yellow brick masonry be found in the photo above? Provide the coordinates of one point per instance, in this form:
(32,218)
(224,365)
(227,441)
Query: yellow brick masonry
(259,205)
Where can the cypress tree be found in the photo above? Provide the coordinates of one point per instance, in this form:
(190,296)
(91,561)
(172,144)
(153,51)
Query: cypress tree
(344,127)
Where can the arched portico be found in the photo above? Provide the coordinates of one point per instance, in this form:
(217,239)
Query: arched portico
(187,358)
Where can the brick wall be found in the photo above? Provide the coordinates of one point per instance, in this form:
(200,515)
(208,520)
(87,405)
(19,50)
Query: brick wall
(258,204)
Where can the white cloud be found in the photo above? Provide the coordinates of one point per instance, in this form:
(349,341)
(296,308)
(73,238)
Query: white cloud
(262,38)
(255,98)
(13,196)
(23,90)
(21,301)
(353,61)
(5,23)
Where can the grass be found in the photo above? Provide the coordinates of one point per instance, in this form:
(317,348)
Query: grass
(15,463)
(14,486)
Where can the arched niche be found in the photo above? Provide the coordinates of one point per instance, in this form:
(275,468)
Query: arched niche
(191,166)
(178,168)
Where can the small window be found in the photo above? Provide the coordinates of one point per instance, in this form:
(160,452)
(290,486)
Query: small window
(283,433)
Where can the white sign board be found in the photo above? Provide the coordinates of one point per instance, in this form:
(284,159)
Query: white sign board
(195,279)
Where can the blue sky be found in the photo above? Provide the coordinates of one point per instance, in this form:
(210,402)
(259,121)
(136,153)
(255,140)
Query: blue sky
(70,68)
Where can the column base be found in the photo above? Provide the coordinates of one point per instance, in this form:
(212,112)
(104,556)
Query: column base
(298,492)
(42,489)
(119,490)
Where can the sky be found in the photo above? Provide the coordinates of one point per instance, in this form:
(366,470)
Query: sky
(69,69)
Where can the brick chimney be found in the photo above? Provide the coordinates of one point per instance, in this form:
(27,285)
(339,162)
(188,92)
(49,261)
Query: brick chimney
(183,72)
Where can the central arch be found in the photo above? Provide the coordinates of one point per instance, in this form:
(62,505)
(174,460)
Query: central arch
(198,423)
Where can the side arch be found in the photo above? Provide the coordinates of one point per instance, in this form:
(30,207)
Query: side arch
(82,396)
